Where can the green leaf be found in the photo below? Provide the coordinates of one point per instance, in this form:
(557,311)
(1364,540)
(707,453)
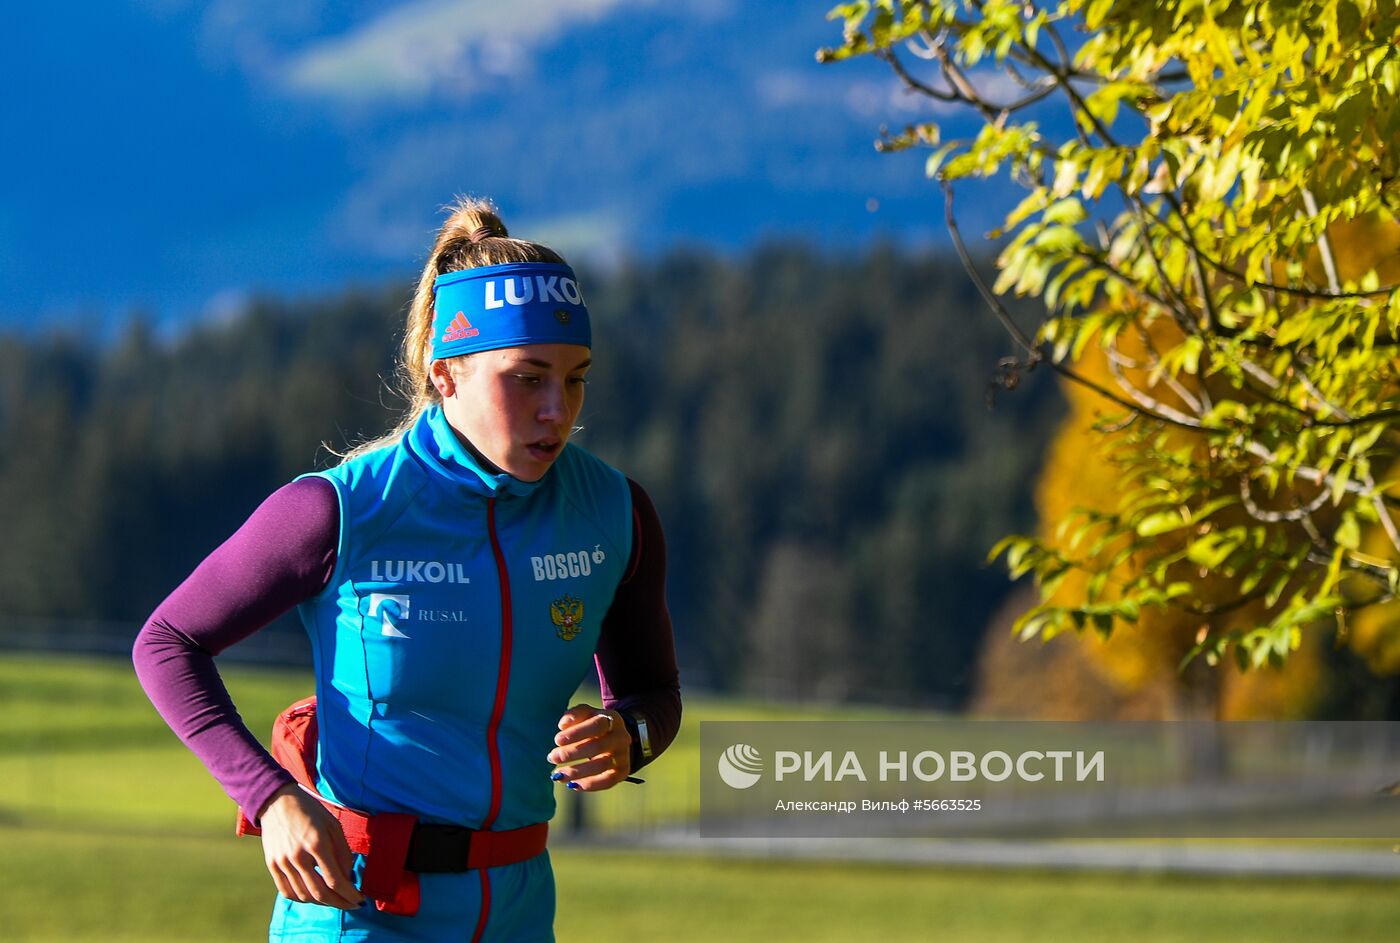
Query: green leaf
(1276,590)
(935,160)
(1160,523)
(1001,545)
(1211,551)
(1348,533)
(1342,477)
(1066,178)
(1033,202)
(1067,212)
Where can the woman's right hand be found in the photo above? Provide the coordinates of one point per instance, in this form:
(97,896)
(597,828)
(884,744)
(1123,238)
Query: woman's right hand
(299,836)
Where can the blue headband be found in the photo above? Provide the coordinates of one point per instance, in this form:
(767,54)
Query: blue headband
(507,306)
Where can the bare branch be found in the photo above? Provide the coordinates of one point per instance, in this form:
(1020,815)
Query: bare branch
(1004,316)
(1377,499)
(1329,262)
(1154,406)
(1296,514)
(1272,384)
(992,301)
(961,89)
(1335,294)
(1181,311)
(1066,60)
(1215,609)
(1316,536)
(929,50)
(955,78)
(1021,80)
(1199,405)
(914,84)
(1315,475)
(1136,287)
(1112,427)
(1378,415)
(1382,512)
(1387,522)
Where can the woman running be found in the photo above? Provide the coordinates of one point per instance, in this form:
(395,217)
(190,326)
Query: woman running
(457,578)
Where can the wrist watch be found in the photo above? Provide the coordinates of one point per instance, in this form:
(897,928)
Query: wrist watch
(641,738)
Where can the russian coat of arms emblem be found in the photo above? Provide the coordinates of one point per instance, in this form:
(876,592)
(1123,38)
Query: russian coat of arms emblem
(567,615)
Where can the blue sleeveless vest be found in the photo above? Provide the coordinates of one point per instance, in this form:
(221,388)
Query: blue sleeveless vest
(462,615)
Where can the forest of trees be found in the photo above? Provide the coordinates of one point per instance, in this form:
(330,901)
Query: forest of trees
(817,433)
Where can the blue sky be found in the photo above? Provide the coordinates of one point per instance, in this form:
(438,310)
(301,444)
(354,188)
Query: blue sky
(174,157)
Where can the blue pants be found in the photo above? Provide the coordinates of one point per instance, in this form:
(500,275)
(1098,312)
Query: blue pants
(521,910)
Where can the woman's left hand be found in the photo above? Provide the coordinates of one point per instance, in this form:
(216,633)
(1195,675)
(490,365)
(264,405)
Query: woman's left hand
(596,744)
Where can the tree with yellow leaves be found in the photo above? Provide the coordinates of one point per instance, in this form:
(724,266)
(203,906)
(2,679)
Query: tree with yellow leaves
(1184,228)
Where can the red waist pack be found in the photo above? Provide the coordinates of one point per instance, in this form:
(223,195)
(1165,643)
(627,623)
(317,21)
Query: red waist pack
(385,838)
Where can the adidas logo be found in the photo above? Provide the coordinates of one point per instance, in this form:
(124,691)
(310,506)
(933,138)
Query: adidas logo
(459,328)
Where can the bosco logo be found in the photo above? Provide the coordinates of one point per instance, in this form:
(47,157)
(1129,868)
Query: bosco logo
(563,566)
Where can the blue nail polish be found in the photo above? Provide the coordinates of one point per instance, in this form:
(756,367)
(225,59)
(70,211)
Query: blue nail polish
(556,776)
(573,785)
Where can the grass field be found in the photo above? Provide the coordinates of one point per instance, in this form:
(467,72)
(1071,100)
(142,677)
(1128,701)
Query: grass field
(112,832)
(80,743)
(85,886)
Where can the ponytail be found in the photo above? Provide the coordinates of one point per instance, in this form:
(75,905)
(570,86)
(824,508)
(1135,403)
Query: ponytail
(473,236)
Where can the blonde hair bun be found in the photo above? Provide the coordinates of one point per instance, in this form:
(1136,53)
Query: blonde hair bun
(472,236)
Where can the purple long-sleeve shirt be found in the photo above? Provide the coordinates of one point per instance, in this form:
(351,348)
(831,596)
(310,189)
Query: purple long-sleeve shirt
(283,555)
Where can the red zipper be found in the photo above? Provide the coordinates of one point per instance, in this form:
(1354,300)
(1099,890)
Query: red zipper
(493,748)
(485,907)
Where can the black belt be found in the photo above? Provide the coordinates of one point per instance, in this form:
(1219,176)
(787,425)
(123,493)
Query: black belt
(437,849)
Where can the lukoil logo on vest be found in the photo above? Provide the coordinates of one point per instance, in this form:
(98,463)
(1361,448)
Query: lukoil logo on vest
(417,571)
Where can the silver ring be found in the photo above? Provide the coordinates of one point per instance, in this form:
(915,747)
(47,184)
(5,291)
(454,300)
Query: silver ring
(610,722)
